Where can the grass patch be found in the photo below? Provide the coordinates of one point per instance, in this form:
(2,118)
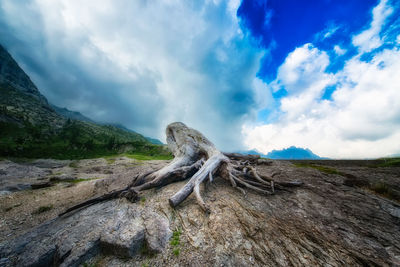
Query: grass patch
(73,164)
(148,157)
(145,251)
(176,251)
(175,241)
(91,263)
(42,209)
(142,200)
(388,162)
(110,160)
(11,207)
(384,190)
(323,169)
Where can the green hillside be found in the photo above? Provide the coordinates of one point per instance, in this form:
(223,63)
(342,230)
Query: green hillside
(31,128)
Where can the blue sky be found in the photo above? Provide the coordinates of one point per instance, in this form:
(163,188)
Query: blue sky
(262,75)
(282,26)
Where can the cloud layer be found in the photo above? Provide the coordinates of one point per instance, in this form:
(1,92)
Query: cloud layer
(351,113)
(140,63)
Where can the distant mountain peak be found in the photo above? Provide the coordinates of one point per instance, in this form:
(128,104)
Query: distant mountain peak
(292,152)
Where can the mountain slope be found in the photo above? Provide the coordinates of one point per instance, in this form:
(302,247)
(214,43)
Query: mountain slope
(151,140)
(11,74)
(73,115)
(31,127)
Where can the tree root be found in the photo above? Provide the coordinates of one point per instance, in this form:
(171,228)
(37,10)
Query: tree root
(198,159)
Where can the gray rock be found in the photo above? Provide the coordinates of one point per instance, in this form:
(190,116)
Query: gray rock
(264,162)
(50,163)
(157,231)
(123,238)
(115,227)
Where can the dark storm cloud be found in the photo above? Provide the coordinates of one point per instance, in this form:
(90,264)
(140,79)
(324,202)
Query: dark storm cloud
(139,65)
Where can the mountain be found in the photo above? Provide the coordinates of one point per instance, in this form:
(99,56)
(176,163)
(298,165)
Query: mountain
(151,140)
(31,127)
(20,100)
(154,141)
(287,153)
(13,76)
(292,153)
(74,115)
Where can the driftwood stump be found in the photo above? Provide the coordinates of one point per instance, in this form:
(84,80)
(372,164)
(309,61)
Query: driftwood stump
(196,159)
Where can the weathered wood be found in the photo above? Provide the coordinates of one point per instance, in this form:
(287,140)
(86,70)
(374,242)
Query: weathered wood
(129,193)
(197,158)
(210,166)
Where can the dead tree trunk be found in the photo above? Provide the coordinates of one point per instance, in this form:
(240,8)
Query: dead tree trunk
(195,157)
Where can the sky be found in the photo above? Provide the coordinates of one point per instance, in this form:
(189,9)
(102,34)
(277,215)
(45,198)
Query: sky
(264,75)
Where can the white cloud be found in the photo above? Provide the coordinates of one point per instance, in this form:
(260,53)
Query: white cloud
(369,39)
(339,51)
(362,118)
(331,30)
(302,67)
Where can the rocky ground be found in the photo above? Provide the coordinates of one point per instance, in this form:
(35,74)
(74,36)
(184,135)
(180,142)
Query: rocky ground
(341,216)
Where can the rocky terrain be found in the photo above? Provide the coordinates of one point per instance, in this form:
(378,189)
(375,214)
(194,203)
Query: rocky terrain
(339,217)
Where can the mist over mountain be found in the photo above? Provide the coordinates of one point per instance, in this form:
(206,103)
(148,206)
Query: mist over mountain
(74,115)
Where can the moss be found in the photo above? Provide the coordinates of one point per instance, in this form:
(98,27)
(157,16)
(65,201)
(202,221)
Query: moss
(42,209)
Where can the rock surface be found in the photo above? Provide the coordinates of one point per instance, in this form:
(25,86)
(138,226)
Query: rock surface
(113,227)
(324,223)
